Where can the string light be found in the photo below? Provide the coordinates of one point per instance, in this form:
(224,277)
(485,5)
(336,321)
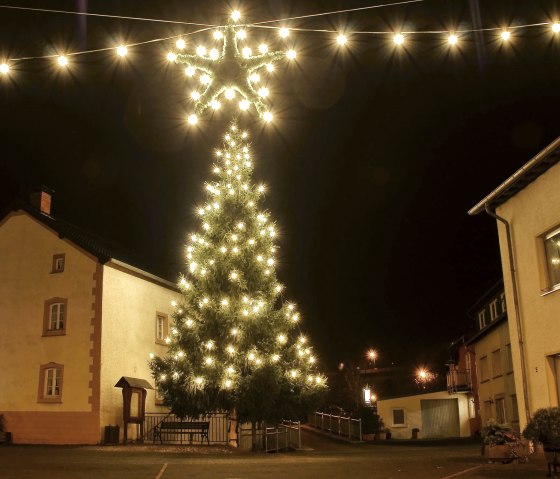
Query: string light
(180,44)
(62,61)
(122,50)
(171,56)
(284,32)
(4,68)
(341,39)
(291,54)
(452,39)
(235,15)
(505,35)
(556,27)
(398,38)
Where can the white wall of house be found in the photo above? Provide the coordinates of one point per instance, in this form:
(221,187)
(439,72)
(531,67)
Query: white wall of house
(130,304)
(533,212)
(413,412)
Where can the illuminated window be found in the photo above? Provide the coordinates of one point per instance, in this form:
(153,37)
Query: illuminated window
(50,383)
(399,417)
(162,328)
(55,317)
(552,252)
(58,263)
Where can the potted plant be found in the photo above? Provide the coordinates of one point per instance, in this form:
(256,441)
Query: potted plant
(500,442)
(369,421)
(544,428)
(379,428)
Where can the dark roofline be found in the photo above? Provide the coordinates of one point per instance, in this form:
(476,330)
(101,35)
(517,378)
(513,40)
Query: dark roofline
(100,248)
(490,293)
(481,333)
(529,172)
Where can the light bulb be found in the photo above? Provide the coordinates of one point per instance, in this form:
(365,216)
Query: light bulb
(293,373)
(189,322)
(215,104)
(230,93)
(225,302)
(62,61)
(284,32)
(556,27)
(214,54)
(505,35)
(254,77)
(171,56)
(201,51)
(180,44)
(263,48)
(4,68)
(152,355)
(267,116)
(209,361)
(228,383)
(263,92)
(246,52)
(281,338)
(275,357)
(195,95)
(398,39)
(291,54)
(190,71)
(209,344)
(341,39)
(244,105)
(234,332)
(122,50)
(192,119)
(235,15)
(251,356)
(241,34)
(269,67)
(452,39)
(230,349)
(218,35)
(205,79)
(199,381)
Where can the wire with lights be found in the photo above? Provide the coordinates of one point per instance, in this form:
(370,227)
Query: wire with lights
(233,73)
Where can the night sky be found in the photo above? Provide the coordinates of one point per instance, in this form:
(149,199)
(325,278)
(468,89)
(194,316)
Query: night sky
(376,155)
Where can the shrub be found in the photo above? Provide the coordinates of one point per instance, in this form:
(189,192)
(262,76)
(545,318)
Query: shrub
(496,435)
(544,427)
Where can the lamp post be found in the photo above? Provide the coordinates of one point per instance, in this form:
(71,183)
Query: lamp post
(372,356)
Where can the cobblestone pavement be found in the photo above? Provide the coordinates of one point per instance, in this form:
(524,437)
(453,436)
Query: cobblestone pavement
(327,459)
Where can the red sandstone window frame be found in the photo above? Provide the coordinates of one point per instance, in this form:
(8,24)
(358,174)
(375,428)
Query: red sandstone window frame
(47,313)
(58,263)
(42,395)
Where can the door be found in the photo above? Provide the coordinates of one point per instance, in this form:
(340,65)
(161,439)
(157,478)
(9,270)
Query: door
(440,418)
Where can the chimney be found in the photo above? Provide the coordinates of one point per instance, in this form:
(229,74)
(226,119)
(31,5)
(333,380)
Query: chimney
(41,199)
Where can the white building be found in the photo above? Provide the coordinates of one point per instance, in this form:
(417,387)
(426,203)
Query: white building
(527,209)
(73,319)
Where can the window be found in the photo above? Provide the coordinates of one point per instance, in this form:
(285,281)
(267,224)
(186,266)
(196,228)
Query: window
(509,359)
(484,369)
(399,417)
(496,363)
(55,317)
(472,408)
(503,302)
(552,253)
(514,408)
(493,310)
(501,417)
(162,328)
(482,319)
(58,263)
(50,383)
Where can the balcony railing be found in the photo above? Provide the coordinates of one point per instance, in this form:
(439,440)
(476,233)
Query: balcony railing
(459,381)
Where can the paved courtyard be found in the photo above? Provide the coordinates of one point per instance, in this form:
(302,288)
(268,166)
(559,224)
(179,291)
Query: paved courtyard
(328,459)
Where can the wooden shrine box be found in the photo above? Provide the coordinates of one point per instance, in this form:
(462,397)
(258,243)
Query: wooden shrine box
(134,402)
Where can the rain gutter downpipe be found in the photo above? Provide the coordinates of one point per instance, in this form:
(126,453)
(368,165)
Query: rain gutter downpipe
(516,307)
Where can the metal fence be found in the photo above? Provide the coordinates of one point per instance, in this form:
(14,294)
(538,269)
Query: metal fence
(217,429)
(340,425)
(285,436)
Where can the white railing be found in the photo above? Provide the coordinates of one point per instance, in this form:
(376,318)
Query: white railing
(285,436)
(339,425)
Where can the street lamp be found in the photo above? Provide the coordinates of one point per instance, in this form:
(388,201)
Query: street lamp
(372,356)
(424,377)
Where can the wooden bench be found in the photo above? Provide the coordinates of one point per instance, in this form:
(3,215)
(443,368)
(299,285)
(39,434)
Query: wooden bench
(182,428)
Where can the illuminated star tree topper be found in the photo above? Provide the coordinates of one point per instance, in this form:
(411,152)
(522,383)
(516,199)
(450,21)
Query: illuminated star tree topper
(231,73)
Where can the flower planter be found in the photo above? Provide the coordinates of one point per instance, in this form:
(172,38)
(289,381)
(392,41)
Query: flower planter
(504,452)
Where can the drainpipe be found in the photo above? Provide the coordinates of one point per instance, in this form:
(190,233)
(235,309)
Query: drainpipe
(516,307)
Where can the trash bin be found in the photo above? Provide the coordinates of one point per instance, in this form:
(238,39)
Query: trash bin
(111,435)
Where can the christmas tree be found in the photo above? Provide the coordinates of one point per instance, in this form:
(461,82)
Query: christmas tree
(235,344)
